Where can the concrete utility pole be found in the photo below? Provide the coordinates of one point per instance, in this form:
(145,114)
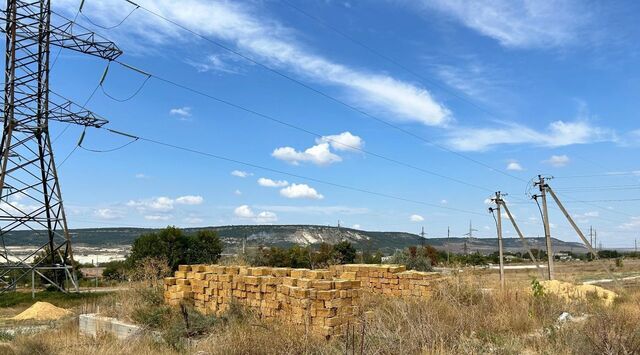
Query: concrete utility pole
(498,201)
(591,235)
(422,234)
(449,234)
(547,231)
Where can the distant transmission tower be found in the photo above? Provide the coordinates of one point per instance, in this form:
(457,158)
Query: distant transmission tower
(30,192)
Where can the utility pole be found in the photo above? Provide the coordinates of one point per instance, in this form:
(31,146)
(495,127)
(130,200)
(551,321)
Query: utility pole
(595,239)
(591,235)
(449,235)
(542,185)
(498,201)
(422,234)
(522,238)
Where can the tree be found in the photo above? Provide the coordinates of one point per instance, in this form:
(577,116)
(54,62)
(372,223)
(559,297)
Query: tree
(177,248)
(204,247)
(344,252)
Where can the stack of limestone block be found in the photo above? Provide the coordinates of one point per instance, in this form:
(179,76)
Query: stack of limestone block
(314,298)
(392,280)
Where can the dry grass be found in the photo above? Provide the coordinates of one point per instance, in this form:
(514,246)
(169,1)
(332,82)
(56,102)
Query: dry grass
(461,317)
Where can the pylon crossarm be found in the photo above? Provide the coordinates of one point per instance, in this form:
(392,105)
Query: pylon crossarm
(69,112)
(84,41)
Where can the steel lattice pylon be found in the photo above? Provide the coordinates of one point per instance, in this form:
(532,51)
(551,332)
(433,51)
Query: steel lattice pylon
(30,192)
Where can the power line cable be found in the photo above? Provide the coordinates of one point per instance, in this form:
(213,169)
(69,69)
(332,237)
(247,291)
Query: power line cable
(107,27)
(135,93)
(612,174)
(257,166)
(330,97)
(306,131)
(386,57)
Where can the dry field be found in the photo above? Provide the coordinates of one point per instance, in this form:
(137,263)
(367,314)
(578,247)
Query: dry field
(466,314)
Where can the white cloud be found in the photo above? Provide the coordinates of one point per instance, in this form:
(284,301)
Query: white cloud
(245,212)
(301,191)
(107,213)
(266,217)
(237,192)
(633,224)
(356,226)
(444,202)
(160,204)
(592,214)
(317,210)
(557,134)
(141,176)
(343,141)
(240,173)
(182,112)
(157,217)
(163,203)
(318,154)
(193,220)
(416,218)
(272,183)
(189,200)
(519,23)
(269,41)
(514,166)
(558,160)
(214,63)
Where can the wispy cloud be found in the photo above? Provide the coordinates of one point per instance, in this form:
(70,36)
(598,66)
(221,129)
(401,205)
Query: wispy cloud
(519,23)
(557,134)
(558,161)
(272,183)
(182,112)
(416,218)
(266,39)
(240,173)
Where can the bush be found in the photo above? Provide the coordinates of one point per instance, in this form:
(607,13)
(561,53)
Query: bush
(412,259)
(115,270)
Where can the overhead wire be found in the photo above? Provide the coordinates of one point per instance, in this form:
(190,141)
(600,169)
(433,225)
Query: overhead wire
(281,172)
(305,130)
(330,97)
(108,27)
(135,93)
(386,57)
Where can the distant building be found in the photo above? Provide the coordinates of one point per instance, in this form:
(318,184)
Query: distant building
(562,256)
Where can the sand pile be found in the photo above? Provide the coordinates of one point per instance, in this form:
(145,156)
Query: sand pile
(42,311)
(571,292)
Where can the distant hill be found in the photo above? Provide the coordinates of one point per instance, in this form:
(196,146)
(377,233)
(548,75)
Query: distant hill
(288,235)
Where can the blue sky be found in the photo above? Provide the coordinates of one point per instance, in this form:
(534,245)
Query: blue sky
(523,87)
